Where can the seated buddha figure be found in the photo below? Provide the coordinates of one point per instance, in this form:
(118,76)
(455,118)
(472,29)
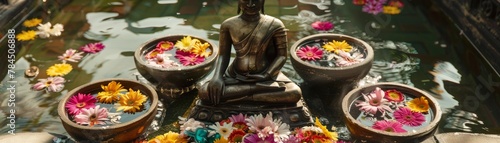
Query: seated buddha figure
(254,75)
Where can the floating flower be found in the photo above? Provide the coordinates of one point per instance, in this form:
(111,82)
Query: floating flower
(154,53)
(187,58)
(374,102)
(419,105)
(111,92)
(170,137)
(52,84)
(223,129)
(237,136)
(131,102)
(92,47)
(346,59)
(46,30)
(394,95)
(337,46)
(162,61)
(200,49)
(32,22)
(92,116)
(359,2)
(221,140)
(165,45)
(59,69)
(372,8)
(310,53)
(330,135)
(26,35)
(391,10)
(396,3)
(407,117)
(70,55)
(186,43)
(322,25)
(262,126)
(57,30)
(254,138)
(78,102)
(389,126)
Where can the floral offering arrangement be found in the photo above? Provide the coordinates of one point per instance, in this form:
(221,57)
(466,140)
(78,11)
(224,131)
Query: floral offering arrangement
(243,129)
(331,54)
(392,111)
(188,52)
(380,6)
(88,109)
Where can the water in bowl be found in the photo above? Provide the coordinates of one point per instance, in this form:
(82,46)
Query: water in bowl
(330,59)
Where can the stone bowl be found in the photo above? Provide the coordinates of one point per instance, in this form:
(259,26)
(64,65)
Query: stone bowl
(361,131)
(172,82)
(116,133)
(321,75)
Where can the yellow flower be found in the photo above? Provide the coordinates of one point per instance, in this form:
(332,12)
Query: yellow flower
(391,10)
(26,35)
(201,49)
(32,22)
(131,102)
(326,132)
(186,43)
(111,92)
(59,69)
(169,137)
(419,105)
(221,140)
(336,46)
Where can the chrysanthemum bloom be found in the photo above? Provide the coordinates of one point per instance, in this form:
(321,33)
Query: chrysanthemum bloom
(358,2)
(310,53)
(131,102)
(92,116)
(224,129)
(239,121)
(374,102)
(260,125)
(337,46)
(59,69)
(237,136)
(154,53)
(322,25)
(407,117)
(200,49)
(71,55)
(26,35)
(389,126)
(92,47)
(32,22)
(394,95)
(165,45)
(419,105)
(188,58)
(346,59)
(372,8)
(53,84)
(111,92)
(254,138)
(78,102)
(170,137)
(221,140)
(332,136)
(186,43)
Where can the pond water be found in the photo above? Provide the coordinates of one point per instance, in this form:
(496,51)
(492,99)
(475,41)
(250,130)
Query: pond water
(416,47)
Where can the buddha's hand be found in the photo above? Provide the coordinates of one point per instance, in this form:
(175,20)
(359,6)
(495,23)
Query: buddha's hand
(215,90)
(259,77)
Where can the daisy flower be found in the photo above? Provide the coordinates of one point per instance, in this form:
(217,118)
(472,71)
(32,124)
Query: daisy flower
(337,46)
(394,95)
(374,102)
(186,43)
(310,53)
(389,126)
(92,116)
(26,35)
(262,126)
(70,55)
(92,48)
(419,105)
(111,92)
(346,59)
(78,102)
(187,58)
(224,129)
(59,69)
(281,131)
(391,10)
(131,102)
(32,22)
(165,45)
(254,138)
(200,49)
(407,117)
(236,136)
(322,25)
(52,84)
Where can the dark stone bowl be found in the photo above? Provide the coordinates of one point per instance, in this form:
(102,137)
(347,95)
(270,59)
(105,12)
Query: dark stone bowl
(316,74)
(117,133)
(364,132)
(172,82)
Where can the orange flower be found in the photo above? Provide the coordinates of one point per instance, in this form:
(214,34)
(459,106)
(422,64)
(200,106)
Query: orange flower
(419,105)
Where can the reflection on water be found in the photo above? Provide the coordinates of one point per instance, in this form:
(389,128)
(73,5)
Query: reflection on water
(444,71)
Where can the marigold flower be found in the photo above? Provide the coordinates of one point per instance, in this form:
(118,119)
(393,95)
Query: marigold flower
(200,49)
(337,46)
(26,35)
(111,92)
(32,22)
(131,102)
(59,69)
(419,105)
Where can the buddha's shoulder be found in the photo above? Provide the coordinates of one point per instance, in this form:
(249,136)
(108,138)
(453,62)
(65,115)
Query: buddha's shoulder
(232,20)
(275,20)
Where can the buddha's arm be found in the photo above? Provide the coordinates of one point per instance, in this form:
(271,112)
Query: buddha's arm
(280,42)
(224,52)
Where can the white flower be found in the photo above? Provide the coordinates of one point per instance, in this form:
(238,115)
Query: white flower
(263,126)
(224,130)
(281,131)
(346,59)
(45,30)
(189,125)
(56,30)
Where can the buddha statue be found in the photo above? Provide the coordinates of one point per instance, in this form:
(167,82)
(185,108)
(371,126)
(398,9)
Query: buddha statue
(254,76)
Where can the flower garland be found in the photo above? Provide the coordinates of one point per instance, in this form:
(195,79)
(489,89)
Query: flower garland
(394,113)
(377,6)
(341,53)
(247,129)
(189,51)
(85,108)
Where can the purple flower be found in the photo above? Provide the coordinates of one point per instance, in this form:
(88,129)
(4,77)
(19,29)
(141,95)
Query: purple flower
(254,138)
(322,25)
(92,48)
(373,8)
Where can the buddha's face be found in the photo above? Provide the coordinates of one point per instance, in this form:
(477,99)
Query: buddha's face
(251,7)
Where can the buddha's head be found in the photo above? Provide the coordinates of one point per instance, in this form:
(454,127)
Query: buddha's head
(251,7)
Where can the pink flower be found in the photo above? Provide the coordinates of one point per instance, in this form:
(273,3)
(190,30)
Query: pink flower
(71,55)
(52,84)
(322,25)
(162,62)
(394,95)
(165,45)
(188,58)
(260,125)
(374,102)
(92,48)
(310,53)
(254,138)
(373,8)
(389,126)
(92,116)
(80,101)
(407,117)
(346,59)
